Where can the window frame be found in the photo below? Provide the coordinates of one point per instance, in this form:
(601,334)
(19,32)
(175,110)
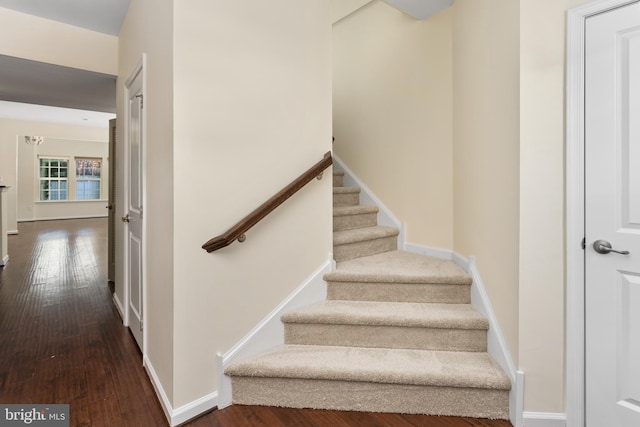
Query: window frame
(82,178)
(49,178)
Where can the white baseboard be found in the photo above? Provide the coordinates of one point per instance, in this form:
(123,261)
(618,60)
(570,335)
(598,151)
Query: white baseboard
(119,306)
(157,386)
(194,409)
(496,344)
(428,251)
(185,412)
(4,261)
(11,232)
(544,419)
(269,332)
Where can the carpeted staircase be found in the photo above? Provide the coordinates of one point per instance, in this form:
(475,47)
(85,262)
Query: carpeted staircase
(397,333)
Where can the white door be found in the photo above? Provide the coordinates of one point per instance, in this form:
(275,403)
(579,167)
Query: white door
(134,209)
(612,214)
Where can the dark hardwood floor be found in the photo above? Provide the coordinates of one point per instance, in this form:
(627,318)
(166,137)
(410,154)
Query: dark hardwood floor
(62,341)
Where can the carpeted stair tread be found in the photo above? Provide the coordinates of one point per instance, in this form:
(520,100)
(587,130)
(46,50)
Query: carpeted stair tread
(346,190)
(399,267)
(337,172)
(363,234)
(399,314)
(376,365)
(354,210)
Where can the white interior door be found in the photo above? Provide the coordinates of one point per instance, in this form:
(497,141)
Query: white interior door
(612,214)
(134,210)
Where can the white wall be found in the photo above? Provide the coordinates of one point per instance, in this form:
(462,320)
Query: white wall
(10,129)
(30,208)
(252,112)
(392,118)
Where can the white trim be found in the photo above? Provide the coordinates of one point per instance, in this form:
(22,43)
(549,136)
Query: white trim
(12,232)
(118,305)
(157,386)
(185,412)
(58,218)
(139,70)
(496,344)
(194,409)
(49,202)
(429,251)
(269,332)
(367,197)
(4,260)
(575,340)
(544,419)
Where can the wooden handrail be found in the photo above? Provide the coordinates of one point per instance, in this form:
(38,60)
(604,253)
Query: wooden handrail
(238,230)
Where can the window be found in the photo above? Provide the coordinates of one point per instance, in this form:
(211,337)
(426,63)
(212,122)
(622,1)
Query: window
(53,178)
(88,179)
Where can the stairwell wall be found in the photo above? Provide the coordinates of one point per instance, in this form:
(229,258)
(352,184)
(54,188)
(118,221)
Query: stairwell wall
(486,149)
(392,92)
(252,112)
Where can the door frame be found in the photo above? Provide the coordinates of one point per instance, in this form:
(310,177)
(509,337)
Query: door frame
(139,70)
(575,205)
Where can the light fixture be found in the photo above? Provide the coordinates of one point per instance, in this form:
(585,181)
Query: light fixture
(34,140)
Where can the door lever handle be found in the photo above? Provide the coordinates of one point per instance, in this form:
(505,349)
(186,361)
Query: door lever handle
(604,247)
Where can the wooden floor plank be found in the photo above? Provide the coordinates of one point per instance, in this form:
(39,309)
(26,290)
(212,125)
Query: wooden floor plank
(62,341)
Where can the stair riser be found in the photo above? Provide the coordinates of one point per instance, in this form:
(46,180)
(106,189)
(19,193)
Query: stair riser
(371,397)
(364,248)
(399,292)
(338,180)
(351,222)
(386,337)
(346,199)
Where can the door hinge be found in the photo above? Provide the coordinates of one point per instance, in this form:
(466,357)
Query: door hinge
(141,97)
(141,325)
(584,243)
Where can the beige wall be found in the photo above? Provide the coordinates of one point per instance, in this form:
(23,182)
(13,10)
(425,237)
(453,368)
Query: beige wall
(342,8)
(252,112)
(392,115)
(140,34)
(39,39)
(238,104)
(542,291)
(10,129)
(486,149)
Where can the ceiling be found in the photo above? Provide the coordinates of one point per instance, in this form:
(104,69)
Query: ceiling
(31,82)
